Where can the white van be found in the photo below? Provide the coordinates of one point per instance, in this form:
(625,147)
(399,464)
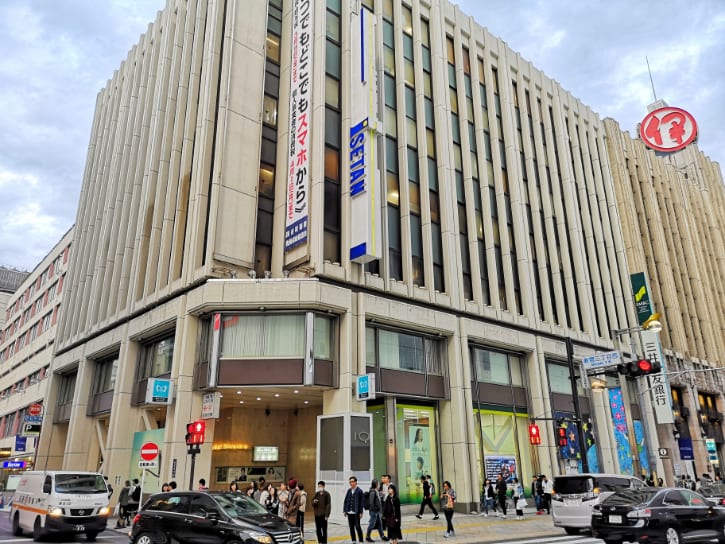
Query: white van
(60,502)
(575,495)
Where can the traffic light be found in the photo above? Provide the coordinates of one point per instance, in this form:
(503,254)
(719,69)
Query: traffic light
(561,428)
(641,367)
(195,432)
(534,435)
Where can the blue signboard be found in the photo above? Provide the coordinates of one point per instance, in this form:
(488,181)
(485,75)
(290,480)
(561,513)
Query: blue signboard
(686,452)
(159,391)
(365,387)
(33,419)
(21,443)
(14,464)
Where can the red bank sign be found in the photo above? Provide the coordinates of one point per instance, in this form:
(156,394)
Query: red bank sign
(668,129)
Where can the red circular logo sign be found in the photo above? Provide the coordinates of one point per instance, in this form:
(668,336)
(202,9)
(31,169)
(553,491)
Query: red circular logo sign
(35,409)
(149,451)
(668,129)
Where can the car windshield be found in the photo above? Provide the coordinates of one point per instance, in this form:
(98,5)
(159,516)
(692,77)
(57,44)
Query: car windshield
(80,483)
(571,485)
(236,504)
(631,497)
(714,490)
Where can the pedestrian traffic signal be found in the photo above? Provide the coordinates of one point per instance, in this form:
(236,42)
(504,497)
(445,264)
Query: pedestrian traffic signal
(561,428)
(195,432)
(641,367)
(534,435)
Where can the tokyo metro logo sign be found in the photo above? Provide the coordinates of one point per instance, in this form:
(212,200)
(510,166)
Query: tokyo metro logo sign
(668,129)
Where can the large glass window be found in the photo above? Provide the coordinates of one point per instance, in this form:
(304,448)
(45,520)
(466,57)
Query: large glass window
(106,370)
(417,450)
(67,389)
(497,367)
(559,378)
(403,351)
(259,336)
(156,357)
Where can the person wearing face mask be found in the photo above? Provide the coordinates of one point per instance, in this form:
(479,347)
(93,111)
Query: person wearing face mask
(322,506)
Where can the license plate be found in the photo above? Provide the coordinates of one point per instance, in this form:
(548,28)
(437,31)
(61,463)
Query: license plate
(615,519)
(79,528)
(572,502)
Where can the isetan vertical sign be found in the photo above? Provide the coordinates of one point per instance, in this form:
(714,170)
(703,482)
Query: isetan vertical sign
(300,108)
(365,228)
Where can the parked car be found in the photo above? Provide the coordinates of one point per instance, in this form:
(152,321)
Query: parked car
(714,492)
(209,518)
(654,515)
(575,495)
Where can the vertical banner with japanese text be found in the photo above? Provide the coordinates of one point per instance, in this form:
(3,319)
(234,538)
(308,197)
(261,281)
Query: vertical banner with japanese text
(658,383)
(300,114)
(365,222)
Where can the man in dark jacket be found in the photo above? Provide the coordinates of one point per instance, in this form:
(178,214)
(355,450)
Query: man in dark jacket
(501,490)
(322,505)
(426,499)
(352,508)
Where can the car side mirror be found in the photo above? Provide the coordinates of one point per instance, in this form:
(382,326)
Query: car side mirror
(213,516)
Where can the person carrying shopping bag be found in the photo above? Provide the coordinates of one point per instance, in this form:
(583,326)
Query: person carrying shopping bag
(448,503)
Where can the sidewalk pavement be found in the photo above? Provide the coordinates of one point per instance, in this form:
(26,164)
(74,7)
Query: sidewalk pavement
(469,528)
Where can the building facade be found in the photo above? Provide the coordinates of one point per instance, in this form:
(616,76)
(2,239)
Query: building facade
(26,349)
(198,260)
(671,209)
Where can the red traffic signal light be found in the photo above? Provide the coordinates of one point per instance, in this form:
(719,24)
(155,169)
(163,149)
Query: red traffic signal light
(562,439)
(534,434)
(195,432)
(641,367)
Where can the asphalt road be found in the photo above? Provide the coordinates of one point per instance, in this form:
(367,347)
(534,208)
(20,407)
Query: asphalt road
(106,537)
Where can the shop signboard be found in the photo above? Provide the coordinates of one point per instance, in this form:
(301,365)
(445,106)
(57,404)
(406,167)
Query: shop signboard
(21,443)
(210,405)
(300,124)
(659,388)
(365,387)
(640,291)
(668,129)
(685,447)
(159,391)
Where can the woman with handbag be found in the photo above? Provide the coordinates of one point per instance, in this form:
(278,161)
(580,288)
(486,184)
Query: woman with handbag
(391,513)
(448,503)
(519,500)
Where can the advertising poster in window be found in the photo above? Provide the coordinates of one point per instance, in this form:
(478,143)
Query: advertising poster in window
(621,433)
(416,440)
(503,445)
(641,445)
(151,484)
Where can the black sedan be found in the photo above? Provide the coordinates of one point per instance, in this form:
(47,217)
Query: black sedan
(655,515)
(209,518)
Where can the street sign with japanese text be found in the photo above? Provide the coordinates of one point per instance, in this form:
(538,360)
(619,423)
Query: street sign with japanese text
(601,360)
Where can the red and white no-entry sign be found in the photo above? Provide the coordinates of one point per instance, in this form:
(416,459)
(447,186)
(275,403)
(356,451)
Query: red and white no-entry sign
(35,409)
(149,451)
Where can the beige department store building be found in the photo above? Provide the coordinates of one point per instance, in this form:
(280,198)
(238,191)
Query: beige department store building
(501,240)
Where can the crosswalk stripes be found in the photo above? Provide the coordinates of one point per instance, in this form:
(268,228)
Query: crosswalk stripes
(574,539)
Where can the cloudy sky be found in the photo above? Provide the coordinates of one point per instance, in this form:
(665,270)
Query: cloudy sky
(56,54)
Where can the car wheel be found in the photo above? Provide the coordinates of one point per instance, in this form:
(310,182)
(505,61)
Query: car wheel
(91,536)
(17,530)
(38,532)
(572,530)
(672,536)
(143,538)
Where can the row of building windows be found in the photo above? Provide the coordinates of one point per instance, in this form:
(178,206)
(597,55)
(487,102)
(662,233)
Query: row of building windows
(29,335)
(22,385)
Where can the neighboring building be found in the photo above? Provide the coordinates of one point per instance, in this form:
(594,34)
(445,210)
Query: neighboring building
(672,208)
(501,241)
(10,280)
(26,348)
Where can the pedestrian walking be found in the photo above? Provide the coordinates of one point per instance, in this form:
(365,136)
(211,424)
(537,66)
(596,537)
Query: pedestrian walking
(385,482)
(135,497)
(519,499)
(123,499)
(352,508)
(448,499)
(302,508)
(427,499)
(535,494)
(548,488)
(501,490)
(488,498)
(293,506)
(375,507)
(322,506)
(391,513)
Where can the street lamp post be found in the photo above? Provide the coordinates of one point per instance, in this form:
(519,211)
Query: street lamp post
(655,327)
